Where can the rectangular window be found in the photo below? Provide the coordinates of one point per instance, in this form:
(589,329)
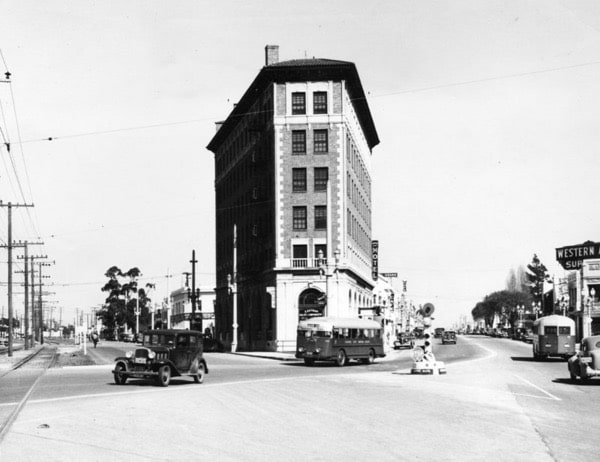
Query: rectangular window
(320,102)
(321,142)
(320,217)
(300,255)
(299,218)
(321,177)
(298,141)
(299,103)
(299,180)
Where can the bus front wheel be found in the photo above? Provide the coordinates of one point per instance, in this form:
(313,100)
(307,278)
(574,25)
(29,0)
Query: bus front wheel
(341,358)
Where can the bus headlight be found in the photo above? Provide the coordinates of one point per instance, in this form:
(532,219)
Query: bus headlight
(300,349)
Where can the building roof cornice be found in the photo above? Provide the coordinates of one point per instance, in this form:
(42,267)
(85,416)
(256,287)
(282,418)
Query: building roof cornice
(303,70)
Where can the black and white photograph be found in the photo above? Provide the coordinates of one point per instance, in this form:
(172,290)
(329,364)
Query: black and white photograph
(307,230)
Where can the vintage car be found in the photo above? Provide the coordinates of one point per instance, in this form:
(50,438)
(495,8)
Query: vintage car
(163,354)
(404,341)
(586,362)
(448,336)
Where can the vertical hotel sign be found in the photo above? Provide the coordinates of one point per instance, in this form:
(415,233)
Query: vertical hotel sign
(375,260)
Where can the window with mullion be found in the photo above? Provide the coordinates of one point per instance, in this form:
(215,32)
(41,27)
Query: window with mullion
(321,175)
(299,218)
(298,103)
(298,141)
(321,141)
(320,217)
(299,180)
(320,102)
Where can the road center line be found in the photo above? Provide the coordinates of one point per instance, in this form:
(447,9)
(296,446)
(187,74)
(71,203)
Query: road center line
(538,388)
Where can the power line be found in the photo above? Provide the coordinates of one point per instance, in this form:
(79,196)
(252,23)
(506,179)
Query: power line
(381,95)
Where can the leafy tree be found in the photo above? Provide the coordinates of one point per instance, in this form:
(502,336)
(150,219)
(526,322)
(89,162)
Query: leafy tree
(502,304)
(537,274)
(124,297)
(517,280)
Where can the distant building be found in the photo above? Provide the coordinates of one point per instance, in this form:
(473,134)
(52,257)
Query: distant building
(180,313)
(293,175)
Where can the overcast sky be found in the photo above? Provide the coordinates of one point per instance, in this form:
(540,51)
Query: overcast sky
(487,114)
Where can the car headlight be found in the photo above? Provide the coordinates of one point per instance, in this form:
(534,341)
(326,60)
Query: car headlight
(151,354)
(300,349)
(129,354)
(317,350)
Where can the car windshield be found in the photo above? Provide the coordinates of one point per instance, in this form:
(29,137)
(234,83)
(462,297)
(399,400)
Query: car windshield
(159,339)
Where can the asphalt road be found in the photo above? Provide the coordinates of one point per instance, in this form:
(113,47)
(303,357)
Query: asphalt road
(495,403)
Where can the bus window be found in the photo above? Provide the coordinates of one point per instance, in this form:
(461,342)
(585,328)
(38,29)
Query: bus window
(345,332)
(323,333)
(564,330)
(550,330)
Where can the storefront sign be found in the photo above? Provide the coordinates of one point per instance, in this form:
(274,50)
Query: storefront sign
(571,257)
(375,260)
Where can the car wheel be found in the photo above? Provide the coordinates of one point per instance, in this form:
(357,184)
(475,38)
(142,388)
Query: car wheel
(309,362)
(164,376)
(341,358)
(199,377)
(120,378)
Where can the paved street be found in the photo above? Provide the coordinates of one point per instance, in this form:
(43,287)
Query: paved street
(497,404)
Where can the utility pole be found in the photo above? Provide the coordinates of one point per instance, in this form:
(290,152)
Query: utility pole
(41,312)
(28,310)
(232,283)
(9,245)
(35,324)
(195,293)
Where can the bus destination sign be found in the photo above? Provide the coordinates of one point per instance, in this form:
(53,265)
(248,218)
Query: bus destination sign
(571,257)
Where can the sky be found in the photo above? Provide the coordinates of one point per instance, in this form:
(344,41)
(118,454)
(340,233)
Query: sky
(487,114)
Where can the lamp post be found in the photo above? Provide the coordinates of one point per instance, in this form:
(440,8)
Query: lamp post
(232,286)
(536,307)
(590,305)
(327,270)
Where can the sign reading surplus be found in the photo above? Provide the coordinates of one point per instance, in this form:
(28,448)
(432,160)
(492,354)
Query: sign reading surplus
(571,257)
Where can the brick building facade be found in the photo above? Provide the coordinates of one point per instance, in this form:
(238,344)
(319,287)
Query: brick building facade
(292,173)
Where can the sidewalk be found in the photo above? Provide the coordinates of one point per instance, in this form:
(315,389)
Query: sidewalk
(19,355)
(390,355)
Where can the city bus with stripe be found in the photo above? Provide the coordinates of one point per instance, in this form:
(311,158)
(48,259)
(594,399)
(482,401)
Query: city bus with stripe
(339,340)
(553,335)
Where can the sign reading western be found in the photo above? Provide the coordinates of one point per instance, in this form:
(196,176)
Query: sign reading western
(571,257)
(375,260)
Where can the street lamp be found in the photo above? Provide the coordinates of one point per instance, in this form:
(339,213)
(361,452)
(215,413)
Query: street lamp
(232,287)
(326,270)
(536,307)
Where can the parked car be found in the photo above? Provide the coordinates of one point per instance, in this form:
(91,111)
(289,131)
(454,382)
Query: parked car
(527,337)
(164,354)
(404,341)
(449,336)
(125,337)
(586,362)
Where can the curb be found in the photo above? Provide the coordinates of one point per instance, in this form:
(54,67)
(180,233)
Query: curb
(254,355)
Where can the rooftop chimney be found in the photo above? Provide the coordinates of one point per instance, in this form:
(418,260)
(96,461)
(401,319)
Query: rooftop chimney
(271,54)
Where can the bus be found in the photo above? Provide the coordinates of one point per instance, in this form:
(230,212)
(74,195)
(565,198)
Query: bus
(339,340)
(553,335)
